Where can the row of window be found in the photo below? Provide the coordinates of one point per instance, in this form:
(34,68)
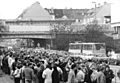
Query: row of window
(87,47)
(116,29)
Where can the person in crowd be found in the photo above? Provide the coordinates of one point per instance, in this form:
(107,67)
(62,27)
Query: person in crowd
(58,69)
(28,73)
(71,75)
(36,69)
(45,63)
(65,70)
(47,74)
(17,74)
(1,57)
(101,76)
(69,64)
(39,75)
(10,62)
(118,73)
(109,53)
(55,75)
(5,65)
(13,67)
(80,75)
(22,69)
(14,64)
(94,74)
(36,63)
(109,74)
(88,73)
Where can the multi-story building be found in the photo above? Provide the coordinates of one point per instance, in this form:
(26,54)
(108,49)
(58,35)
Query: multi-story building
(68,13)
(115,20)
(101,13)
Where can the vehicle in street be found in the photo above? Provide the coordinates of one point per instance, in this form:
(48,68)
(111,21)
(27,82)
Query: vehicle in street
(89,49)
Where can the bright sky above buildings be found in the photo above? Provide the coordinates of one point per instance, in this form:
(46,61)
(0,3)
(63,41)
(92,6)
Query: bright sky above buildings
(11,9)
(115,12)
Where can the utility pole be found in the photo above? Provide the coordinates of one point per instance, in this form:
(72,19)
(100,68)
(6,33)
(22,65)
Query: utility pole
(95,9)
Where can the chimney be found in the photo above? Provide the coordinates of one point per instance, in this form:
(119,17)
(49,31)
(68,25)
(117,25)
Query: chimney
(52,10)
(99,4)
(105,3)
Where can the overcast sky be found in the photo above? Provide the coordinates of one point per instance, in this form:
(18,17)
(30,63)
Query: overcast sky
(10,9)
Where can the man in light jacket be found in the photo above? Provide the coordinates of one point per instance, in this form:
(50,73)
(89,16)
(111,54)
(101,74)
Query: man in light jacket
(28,74)
(101,77)
(71,75)
(80,76)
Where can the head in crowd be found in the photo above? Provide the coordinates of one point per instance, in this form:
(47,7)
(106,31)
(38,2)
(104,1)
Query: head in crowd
(101,68)
(19,66)
(107,68)
(49,66)
(55,67)
(16,59)
(73,67)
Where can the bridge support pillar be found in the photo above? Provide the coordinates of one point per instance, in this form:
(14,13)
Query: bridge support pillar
(51,43)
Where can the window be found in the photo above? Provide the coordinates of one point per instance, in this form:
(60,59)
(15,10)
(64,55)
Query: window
(75,46)
(116,29)
(107,19)
(99,46)
(87,47)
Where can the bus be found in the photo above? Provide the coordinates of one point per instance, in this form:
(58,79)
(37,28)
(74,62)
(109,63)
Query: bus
(97,49)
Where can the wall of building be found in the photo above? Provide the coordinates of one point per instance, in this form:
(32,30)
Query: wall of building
(32,28)
(99,14)
(104,11)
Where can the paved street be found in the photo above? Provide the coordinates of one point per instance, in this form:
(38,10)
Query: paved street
(5,79)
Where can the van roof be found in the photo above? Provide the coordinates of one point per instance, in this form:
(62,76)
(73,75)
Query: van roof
(86,43)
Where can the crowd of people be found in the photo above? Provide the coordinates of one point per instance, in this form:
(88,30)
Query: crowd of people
(46,66)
